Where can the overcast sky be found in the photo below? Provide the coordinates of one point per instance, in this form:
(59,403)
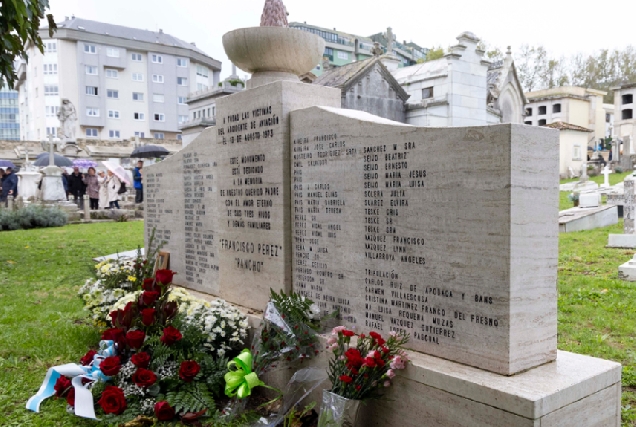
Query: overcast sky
(564,27)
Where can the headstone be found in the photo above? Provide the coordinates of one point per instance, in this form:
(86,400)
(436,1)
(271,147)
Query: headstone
(616,151)
(584,176)
(606,174)
(28,183)
(628,238)
(589,200)
(626,158)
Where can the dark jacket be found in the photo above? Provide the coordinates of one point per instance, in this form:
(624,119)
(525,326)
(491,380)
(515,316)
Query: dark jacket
(76,184)
(9,182)
(137,179)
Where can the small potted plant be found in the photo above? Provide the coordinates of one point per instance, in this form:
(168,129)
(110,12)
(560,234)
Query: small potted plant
(574,198)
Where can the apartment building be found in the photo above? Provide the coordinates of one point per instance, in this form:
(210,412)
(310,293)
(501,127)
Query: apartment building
(9,114)
(343,48)
(123,82)
(625,112)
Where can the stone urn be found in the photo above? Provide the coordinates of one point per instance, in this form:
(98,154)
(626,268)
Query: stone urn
(273,53)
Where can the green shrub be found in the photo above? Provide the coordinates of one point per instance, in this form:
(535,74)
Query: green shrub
(32,217)
(618,169)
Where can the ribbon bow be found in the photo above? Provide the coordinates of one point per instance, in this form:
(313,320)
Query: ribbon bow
(241,380)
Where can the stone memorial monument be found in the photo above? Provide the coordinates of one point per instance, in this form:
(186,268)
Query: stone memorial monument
(52,186)
(365,216)
(628,238)
(29,179)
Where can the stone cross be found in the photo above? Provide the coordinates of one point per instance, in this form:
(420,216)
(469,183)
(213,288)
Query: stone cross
(628,206)
(51,148)
(606,173)
(389,41)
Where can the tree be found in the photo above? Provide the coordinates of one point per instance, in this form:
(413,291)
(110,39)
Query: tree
(532,65)
(19,25)
(435,53)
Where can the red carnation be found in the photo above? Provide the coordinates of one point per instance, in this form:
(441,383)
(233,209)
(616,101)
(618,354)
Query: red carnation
(375,335)
(135,339)
(113,400)
(110,366)
(148,316)
(140,360)
(188,370)
(148,298)
(88,357)
(163,411)
(70,397)
(164,276)
(171,335)
(144,377)
(370,362)
(149,285)
(348,333)
(346,379)
(61,386)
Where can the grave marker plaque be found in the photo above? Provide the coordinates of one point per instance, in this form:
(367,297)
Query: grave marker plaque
(447,234)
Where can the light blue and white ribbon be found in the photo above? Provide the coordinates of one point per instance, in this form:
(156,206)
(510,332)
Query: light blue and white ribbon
(84,406)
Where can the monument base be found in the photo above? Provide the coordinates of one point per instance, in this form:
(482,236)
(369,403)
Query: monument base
(52,186)
(627,271)
(28,184)
(627,241)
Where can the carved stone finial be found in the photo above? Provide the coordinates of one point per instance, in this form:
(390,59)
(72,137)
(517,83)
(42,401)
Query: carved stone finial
(274,14)
(509,51)
(377,49)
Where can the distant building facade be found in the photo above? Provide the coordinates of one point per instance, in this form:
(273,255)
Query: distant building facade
(625,113)
(462,88)
(9,114)
(123,82)
(344,48)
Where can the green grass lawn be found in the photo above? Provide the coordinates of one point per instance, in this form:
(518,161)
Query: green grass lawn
(41,318)
(614,178)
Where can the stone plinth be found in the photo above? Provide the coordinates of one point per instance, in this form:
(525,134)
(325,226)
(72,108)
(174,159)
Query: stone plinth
(462,258)
(627,271)
(628,238)
(28,184)
(589,200)
(52,185)
(578,219)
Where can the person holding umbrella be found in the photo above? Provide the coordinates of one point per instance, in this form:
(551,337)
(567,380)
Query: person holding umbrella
(77,187)
(139,187)
(113,184)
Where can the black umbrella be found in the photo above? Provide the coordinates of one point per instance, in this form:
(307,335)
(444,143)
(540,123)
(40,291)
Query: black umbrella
(60,161)
(149,152)
(6,164)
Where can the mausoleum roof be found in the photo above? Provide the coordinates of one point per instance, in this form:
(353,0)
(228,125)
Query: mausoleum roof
(423,71)
(568,126)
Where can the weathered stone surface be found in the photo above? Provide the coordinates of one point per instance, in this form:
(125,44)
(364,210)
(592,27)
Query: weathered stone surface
(254,187)
(400,229)
(181,204)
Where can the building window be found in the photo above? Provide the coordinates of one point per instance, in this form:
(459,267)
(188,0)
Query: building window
(329,52)
(182,81)
(137,77)
(91,70)
(51,46)
(543,110)
(183,119)
(160,117)
(182,62)
(138,96)
(113,114)
(527,123)
(556,108)
(179,137)
(91,132)
(157,97)
(139,116)
(542,122)
(181,100)
(576,152)
(52,111)
(90,48)
(50,69)
(343,55)
(528,111)
(159,135)
(627,99)
(157,59)
(50,90)
(113,134)
(157,78)
(202,71)
(92,90)
(51,131)
(427,92)
(136,57)
(92,112)
(112,52)
(201,86)
(112,93)
(627,114)
(110,73)
(139,134)
(607,117)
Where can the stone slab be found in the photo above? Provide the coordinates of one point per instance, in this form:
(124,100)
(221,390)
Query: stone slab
(126,254)
(627,271)
(254,187)
(53,188)
(462,258)
(589,200)
(578,219)
(626,241)
(579,186)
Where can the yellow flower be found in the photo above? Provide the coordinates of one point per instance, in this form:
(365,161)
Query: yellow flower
(132,279)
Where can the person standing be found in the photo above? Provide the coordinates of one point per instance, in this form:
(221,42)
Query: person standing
(92,188)
(113,183)
(9,185)
(103,190)
(76,187)
(65,182)
(137,178)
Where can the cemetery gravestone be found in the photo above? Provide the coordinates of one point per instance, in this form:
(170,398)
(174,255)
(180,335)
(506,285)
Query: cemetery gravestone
(628,238)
